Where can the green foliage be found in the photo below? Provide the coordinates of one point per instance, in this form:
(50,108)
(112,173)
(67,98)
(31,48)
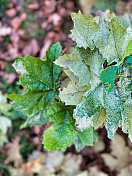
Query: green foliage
(40,78)
(3,6)
(104,5)
(99,89)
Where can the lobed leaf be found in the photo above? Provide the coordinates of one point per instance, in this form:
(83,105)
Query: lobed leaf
(40,78)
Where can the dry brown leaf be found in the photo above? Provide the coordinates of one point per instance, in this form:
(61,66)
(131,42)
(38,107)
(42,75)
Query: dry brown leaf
(36,129)
(2,65)
(23,17)
(56,19)
(54,160)
(126,171)
(49,7)
(13,152)
(13,51)
(29,168)
(71,164)
(120,154)
(47,43)
(32,48)
(70,5)
(17,21)
(11,12)
(4,31)
(22,34)
(33,6)
(4,56)
(99,146)
(14,37)
(86,6)
(84,173)
(62,12)
(9,76)
(94,171)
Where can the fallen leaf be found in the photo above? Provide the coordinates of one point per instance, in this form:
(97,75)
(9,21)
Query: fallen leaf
(94,171)
(99,146)
(86,6)
(32,48)
(11,12)
(49,7)
(120,154)
(33,6)
(71,164)
(126,171)
(13,51)
(17,21)
(56,19)
(13,152)
(4,31)
(14,37)
(2,65)
(54,160)
(9,76)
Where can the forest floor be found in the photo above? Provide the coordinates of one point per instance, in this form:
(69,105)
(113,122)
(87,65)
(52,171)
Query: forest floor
(29,28)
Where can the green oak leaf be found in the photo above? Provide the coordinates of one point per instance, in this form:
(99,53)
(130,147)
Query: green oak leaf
(87,32)
(118,42)
(41,78)
(73,62)
(128,110)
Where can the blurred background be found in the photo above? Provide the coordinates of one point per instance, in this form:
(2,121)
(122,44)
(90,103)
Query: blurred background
(30,27)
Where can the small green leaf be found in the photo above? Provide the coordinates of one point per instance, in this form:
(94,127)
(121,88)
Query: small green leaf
(108,75)
(40,78)
(60,113)
(58,137)
(78,143)
(63,134)
(86,136)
